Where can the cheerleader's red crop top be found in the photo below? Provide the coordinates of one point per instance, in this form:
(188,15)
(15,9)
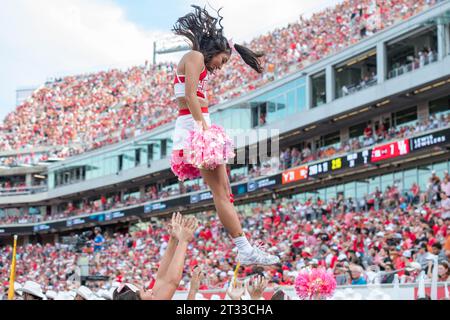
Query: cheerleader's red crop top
(180,87)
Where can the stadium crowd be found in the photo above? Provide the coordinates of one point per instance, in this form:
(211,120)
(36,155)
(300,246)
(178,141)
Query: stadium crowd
(84,112)
(289,158)
(359,240)
(374,133)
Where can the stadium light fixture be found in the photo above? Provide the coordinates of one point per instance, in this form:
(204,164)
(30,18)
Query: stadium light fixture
(363,58)
(364,109)
(310,128)
(383,103)
(423,89)
(441,83)
(291,134)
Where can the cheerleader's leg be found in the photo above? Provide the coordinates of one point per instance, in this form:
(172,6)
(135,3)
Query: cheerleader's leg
(218,182)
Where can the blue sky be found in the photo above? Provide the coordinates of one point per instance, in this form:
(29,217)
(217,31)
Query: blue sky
(153,14)
(42,39)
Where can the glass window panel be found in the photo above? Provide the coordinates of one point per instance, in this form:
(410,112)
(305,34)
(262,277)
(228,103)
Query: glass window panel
(156,151)
(357,131)
(386,180)
(406,117)
(424,175)
(440,168)
(331,139)
(440,106)
(301,98)
(321,194)
(374,183)
(312,195)
(271,109)
(398,180)
(281,106)
(350,190)
(331,193)
(128,160)
(409,177)
(361,189)
(291,107)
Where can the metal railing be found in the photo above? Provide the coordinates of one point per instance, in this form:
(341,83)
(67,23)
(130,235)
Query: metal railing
(406,68)
(20,191)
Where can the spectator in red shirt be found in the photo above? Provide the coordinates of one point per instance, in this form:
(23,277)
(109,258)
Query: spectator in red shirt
(368,131)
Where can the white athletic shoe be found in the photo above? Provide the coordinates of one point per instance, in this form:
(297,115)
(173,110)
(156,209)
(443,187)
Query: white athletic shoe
(257,257)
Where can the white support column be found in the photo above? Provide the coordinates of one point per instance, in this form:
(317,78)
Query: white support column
(447,37)
(330,83)
(381,62)
(142,192)
(54,209)
(28,179)
(308,92)
(442,39)
(345,134)
(422,111)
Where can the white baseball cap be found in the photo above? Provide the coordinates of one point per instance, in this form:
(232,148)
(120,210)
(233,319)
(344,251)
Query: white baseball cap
(34,289)
(342,257)
(63,296)
(51,295)
(18,288)
(85,293)
(414,266)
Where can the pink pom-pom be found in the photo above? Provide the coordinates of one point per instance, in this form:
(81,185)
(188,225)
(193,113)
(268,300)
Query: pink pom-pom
(181,169)
(207,149)
(315,283)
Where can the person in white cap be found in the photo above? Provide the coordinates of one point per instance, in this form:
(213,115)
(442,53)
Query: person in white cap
(32,291)
(18,289)
(171,267)
(63,296)
(84,293)
(51,295)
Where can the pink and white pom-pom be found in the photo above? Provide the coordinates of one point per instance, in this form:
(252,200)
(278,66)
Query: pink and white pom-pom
(207,149)
(315,284)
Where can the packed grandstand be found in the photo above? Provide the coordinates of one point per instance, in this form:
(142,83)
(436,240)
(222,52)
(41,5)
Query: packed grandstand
(363,192)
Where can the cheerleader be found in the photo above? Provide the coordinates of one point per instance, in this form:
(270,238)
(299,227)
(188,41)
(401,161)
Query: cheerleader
(210,51)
